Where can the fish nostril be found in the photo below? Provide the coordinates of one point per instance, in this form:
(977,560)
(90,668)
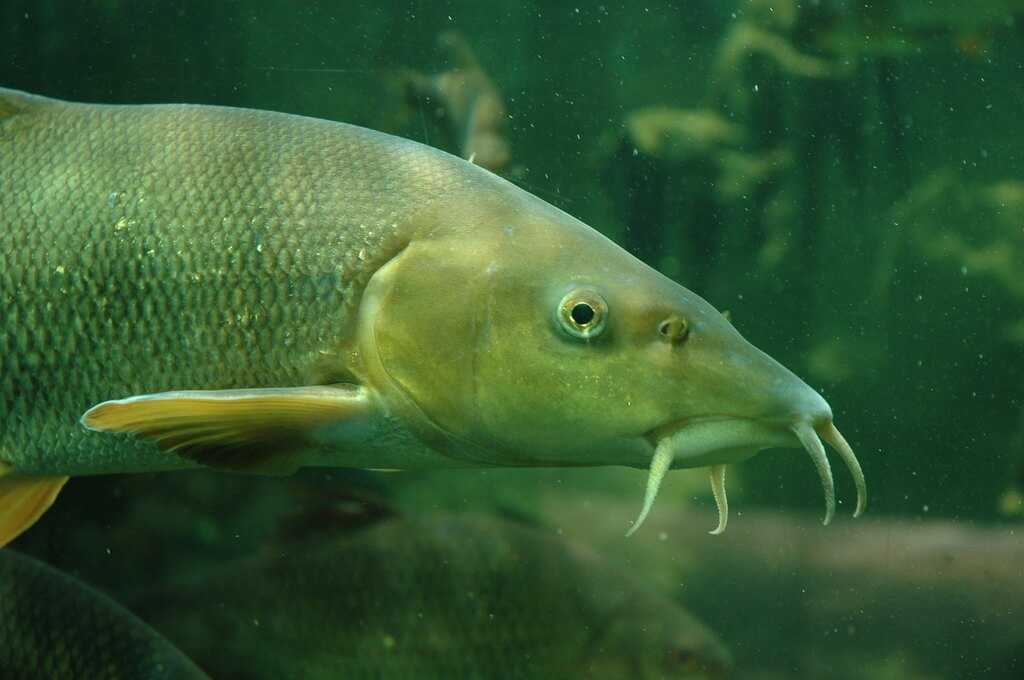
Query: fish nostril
(674,328)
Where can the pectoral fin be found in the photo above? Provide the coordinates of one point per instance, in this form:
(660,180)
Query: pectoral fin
(23,500)
(256,430)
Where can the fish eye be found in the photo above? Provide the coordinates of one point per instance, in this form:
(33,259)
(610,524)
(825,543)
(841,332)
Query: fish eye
(583,314)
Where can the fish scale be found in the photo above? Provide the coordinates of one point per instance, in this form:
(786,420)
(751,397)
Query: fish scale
(56,628)
(159,274)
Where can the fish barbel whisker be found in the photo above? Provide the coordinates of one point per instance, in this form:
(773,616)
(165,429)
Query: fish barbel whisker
(810,441)
(717,473)
(836,440)
(660,464)
(809,438)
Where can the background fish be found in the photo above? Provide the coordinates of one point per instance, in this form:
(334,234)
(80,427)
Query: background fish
(54,627)
(433,597)
(466,102)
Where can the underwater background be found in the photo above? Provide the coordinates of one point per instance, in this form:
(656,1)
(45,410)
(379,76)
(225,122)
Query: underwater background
(846,178)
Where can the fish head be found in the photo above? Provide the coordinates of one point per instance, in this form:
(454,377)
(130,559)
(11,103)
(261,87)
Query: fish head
(541,342)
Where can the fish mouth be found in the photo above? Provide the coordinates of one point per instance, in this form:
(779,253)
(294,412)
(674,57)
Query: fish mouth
(715,440)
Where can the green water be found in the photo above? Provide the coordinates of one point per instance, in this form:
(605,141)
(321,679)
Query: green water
(854,195)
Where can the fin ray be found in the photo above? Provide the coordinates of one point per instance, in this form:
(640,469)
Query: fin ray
(266,430)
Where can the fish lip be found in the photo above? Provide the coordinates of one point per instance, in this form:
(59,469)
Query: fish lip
(694,444)
(675,447)
(674,427)
(780,421)
(689,447)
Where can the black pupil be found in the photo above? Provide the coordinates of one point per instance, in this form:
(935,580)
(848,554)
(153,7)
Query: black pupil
(582,313)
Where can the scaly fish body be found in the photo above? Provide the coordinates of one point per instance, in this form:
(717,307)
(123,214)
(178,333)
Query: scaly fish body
(54,627)
(150,249)
(259,292)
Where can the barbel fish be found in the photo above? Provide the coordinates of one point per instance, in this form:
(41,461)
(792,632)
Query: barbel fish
(54,627)
(257,291)
(432,596)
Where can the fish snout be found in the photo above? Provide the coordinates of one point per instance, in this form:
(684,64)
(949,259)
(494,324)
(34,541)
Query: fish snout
(747,402)
(810,406)
(774,394)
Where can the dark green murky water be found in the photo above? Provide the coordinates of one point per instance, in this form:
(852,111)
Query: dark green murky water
(847,178)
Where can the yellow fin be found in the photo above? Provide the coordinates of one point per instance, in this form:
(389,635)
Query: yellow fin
(256,430)
(23,500)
